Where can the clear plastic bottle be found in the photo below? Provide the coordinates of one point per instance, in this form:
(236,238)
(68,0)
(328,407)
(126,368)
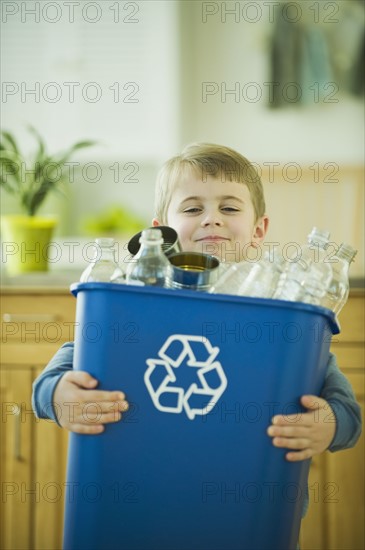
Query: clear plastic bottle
(262,280)
(232,278)
(307,274)
(104,268)
(150,265)
(338,290)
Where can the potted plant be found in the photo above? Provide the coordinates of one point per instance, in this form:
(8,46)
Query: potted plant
(25,237)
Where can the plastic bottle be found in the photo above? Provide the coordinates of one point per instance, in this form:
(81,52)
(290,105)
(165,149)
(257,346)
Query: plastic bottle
(262,280)
(232,278)
(338,290)
(150,265)
(104,268)
(307,275)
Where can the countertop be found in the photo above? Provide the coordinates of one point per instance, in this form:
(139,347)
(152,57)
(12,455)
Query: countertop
(51,282)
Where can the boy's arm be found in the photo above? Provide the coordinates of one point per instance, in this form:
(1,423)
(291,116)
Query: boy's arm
(337,391)
(66,396)
(332,421)
(45,385)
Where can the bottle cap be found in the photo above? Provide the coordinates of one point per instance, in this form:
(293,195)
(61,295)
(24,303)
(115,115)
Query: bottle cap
(105,242)
(347,252)
(150,235)
(170,243)
(319,235)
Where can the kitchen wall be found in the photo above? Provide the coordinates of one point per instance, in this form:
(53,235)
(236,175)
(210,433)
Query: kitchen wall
(311,157)
(205,82)
(234,53)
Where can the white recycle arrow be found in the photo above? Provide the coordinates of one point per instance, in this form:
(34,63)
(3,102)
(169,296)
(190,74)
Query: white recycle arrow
(203,367)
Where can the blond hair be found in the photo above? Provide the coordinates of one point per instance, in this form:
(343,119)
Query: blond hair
(207,159)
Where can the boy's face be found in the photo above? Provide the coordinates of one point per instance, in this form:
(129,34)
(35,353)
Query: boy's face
(214,217)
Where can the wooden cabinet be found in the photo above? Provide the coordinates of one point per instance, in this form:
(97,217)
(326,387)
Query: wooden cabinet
(16,458)
(33,452)
(335,519)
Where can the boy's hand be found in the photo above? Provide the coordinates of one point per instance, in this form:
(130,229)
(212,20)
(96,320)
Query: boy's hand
(308,433)
(82,409)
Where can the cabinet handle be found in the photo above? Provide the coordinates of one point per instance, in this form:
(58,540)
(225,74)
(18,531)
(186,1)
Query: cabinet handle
(29,317)
(18,435)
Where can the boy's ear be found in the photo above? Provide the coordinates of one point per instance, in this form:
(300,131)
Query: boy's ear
(260,230)
(155,222)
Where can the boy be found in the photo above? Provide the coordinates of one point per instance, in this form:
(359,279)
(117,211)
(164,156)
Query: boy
(213,197)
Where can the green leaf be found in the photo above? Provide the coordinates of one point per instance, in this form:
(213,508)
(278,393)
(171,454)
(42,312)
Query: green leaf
(10,175)
(80,145)
(10,141)
(40,141)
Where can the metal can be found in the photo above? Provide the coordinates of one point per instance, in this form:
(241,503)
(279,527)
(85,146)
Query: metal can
(193,270)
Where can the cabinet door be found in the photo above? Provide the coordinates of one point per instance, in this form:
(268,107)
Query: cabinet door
(19,493)
(346,471)
(313,528)
(50,456)
(33,468)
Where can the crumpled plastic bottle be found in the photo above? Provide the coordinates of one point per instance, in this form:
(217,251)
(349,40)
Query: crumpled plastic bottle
(338,290)
(307,275)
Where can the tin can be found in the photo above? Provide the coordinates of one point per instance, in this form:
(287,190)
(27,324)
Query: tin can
(194,270)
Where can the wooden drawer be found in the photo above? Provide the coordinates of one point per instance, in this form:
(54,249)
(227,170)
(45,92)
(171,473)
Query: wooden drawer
(352,320)
(27,354)
(37,318)
(349,357)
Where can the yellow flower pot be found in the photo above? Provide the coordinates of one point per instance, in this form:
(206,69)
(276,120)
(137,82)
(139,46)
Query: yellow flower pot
(25,243)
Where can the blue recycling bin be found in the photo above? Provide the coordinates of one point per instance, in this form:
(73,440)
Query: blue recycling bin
(191,466)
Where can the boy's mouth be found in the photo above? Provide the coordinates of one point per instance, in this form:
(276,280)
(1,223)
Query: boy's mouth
(212,238)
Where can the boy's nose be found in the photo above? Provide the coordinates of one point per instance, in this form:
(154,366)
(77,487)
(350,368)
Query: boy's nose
(212,218)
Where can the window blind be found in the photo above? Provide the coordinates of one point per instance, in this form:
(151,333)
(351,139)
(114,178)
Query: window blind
(97,70)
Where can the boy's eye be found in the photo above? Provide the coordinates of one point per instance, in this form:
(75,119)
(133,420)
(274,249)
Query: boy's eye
(192,210)
(229,209)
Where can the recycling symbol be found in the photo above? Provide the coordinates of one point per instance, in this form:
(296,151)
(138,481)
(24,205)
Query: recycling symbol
(194,357)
